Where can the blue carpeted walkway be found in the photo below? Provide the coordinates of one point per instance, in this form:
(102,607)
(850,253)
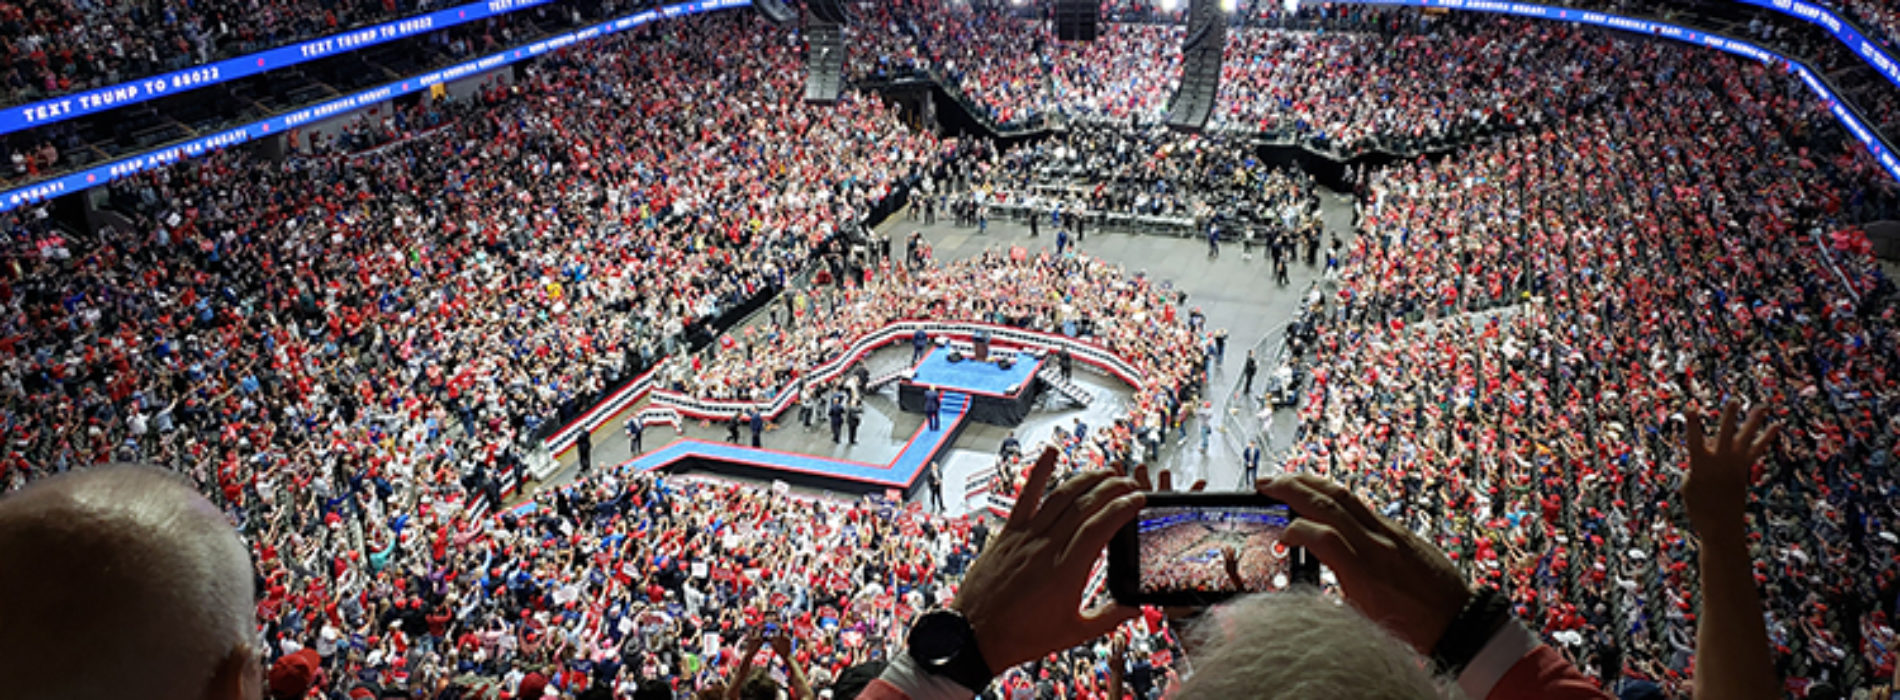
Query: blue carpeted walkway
(899,474)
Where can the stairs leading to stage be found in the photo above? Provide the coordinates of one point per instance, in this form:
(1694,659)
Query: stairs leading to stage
(953,404)
(883,380)
(1052,376)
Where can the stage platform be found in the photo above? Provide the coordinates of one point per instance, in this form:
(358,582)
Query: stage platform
(970,376)
(904,473)
(998,396)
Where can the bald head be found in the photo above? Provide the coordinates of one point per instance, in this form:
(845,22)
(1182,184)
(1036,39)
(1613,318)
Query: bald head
(121,581)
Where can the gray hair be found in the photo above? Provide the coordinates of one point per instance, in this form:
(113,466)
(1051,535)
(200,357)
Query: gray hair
(1301,644)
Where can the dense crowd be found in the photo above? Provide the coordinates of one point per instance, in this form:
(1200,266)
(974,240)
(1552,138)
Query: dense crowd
(882,40)
(1791,35)
(1127,74)
(993,59)
(615,579)
(220,318)
(998,62)
(1347,88)
(1353,83)
(1160,172)
(1195,555)
(345,348)
(350,407)
(57,46)
(1880,18)
(51,149)
(1074,295)
(1010,69)
(1519,330)
(52,47)
(471,283)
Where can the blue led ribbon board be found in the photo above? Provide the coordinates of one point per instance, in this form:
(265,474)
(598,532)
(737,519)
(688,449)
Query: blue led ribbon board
(103,99)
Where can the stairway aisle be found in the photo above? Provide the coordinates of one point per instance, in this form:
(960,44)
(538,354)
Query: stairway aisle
(1053,377)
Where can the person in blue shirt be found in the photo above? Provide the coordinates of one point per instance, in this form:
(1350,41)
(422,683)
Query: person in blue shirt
(933,403)
(919,343)
(1250,460)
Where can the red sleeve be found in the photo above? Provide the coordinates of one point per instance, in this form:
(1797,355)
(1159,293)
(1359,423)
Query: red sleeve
(881,689)
(1544,674)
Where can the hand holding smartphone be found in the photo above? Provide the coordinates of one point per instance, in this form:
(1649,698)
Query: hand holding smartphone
(1194,549)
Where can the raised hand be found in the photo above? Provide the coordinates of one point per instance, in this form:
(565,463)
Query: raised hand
(1230,561)
(1716,490)
(1023,596)
(1732,649)
(1387,572)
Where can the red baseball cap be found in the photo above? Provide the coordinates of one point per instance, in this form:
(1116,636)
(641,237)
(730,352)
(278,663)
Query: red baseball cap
(292,676)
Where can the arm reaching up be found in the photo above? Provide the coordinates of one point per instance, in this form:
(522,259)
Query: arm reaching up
(1117,667)
(749,650)
(800,687)
(1732,659)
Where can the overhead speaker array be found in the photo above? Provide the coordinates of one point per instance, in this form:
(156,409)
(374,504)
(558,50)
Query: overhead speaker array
(1201,54)
(1078,20)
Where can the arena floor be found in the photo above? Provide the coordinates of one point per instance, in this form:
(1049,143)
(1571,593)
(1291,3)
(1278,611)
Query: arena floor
(1235,293)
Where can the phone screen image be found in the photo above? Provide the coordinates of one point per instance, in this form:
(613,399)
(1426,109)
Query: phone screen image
(1187,548)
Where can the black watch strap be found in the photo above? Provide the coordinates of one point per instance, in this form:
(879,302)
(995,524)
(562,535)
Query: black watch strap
(1484,613)
(942,643)
(967,669)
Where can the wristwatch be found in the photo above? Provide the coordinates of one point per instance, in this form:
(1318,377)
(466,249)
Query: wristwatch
(1484,612)
(943,643)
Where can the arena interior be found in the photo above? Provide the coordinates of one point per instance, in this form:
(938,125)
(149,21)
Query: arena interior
(603,349)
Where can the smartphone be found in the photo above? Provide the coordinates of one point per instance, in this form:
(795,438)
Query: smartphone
(1178,550)
(771,625)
